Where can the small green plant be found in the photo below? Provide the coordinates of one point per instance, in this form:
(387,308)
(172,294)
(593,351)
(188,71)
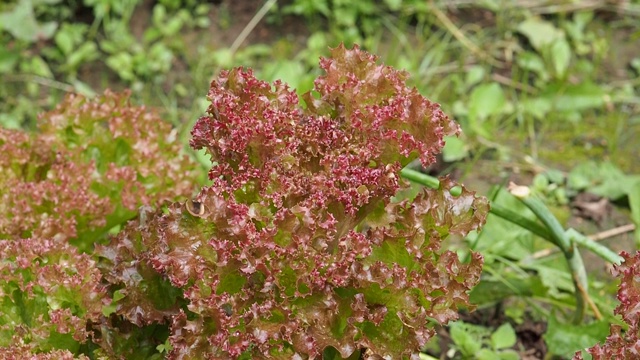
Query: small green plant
(478,342)
(66,49)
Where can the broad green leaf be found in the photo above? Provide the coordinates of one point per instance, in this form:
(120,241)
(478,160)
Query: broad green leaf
(223,57)
(64,41)
(539,32)
(394,5)
(317,41)
(231,283)
(122,64)
(10,121)
(38,66)
(22,24)
(486,354)
(486,100)
(558,282)
(582,18)
(574,97)
(393,252)
(290,72)
(388,330)
(287,279)
(454,149)
(604,179)
(493,5)
(56,340)
(536,107)
(503,337)
(566,339)
(501,237)
(86,52)
(531,61)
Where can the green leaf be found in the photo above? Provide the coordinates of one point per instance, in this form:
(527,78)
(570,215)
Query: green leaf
(502,237)
(38,66)
(503,337)
(424,356)
(474,75)
(394,5)
(566,339)
(531,61)
(560,56)
(557,281)
(486,100)
(8,59)
(118,295)
(64,41)
(85,53)
(56,340)
(635,64)
(83,88)
(486,354)
(536,107)
(490,291)
(22,23)
(290,72)
(540,33)
(466,337)
(393,252)
(231,283)
(223,57)
(574,97)
(122,64)
(604,179)
(454,149)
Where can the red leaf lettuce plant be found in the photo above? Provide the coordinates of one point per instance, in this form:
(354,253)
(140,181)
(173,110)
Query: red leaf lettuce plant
(623,344)
(297,245)
(88,168)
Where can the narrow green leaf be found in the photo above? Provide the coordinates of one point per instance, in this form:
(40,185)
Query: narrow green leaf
(560,56)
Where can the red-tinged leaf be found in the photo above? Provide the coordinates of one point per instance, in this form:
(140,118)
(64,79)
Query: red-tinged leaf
(91,165)
(23,351)
(48,293)
(623,344)
(296,246)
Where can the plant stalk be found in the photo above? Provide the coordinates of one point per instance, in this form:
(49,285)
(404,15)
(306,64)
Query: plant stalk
(550,230)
